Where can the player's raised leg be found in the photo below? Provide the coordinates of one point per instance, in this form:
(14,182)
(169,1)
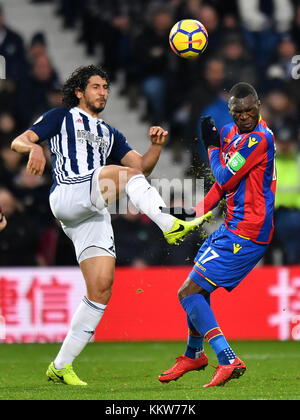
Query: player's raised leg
(98,273)
(115,180)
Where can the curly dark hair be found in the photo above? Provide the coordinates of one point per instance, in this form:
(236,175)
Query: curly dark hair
(79,79)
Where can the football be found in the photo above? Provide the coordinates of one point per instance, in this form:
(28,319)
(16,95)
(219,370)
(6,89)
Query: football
(188,38)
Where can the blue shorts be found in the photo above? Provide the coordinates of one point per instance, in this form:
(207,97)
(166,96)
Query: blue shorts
(224,259)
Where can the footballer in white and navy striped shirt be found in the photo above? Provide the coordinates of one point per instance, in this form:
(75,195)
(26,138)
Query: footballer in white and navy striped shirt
(83,185)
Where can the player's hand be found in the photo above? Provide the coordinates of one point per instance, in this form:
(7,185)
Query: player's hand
(180,212)
(158,135)
(37,161)
(209,132)
(3,221)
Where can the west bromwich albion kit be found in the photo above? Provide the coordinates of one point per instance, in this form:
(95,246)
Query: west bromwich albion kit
(79,143)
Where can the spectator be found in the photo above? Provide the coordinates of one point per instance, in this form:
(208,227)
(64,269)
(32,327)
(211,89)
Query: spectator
(93,17)
(263,22)
(12,49)
(208,15)
(70,11)
(18,242)
(295,30)
(238,62)
(206,92)
(186,9)
(33,95)
(9,160)
(282,111)
(8,127)
(33,192)
(7,96)
(153,62)
(279,71)
(38,46)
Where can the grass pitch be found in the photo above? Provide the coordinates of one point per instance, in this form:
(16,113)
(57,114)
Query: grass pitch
(129,371)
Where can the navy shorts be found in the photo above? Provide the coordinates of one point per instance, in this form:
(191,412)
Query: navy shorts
(224,259)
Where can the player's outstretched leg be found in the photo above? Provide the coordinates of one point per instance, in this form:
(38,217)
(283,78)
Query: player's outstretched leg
(147,199)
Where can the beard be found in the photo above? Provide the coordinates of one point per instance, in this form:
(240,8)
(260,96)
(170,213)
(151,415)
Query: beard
(95,109)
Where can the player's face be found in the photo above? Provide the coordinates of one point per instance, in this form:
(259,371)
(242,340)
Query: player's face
(95,95)
(244,112)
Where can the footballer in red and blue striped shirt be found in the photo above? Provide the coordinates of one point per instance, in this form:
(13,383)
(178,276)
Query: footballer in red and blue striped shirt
(244,169)
(242,160)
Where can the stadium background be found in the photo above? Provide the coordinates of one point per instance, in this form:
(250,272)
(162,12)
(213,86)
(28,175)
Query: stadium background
(42,42)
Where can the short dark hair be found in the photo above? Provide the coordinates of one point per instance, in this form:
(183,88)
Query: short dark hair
(79,79)
(241,90)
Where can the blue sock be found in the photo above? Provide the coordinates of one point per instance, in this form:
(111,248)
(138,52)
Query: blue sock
(202,317)
(194,347)
(224,352)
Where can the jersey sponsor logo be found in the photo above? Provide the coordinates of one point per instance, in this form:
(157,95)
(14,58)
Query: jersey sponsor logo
(236,162)
(236,248)
(252,141)
(92,139)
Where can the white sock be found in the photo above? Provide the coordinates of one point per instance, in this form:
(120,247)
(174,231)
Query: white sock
(83,324)
(147,199)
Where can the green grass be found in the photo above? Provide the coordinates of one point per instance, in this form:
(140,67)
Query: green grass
(129,371)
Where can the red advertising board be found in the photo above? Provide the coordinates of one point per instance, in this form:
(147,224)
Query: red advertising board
(37,304)
(144,306)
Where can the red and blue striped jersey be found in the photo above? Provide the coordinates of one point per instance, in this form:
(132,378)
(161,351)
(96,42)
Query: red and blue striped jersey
(244,170)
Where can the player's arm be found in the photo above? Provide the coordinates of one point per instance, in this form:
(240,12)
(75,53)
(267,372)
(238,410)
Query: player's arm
(147,162)
(210,201)
(45,127)
(249,154)
(26,144)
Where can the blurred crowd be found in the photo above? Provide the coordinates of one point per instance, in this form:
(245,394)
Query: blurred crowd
(257,41)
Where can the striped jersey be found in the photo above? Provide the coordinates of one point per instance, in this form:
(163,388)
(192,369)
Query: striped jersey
(78,143)
(245,172)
